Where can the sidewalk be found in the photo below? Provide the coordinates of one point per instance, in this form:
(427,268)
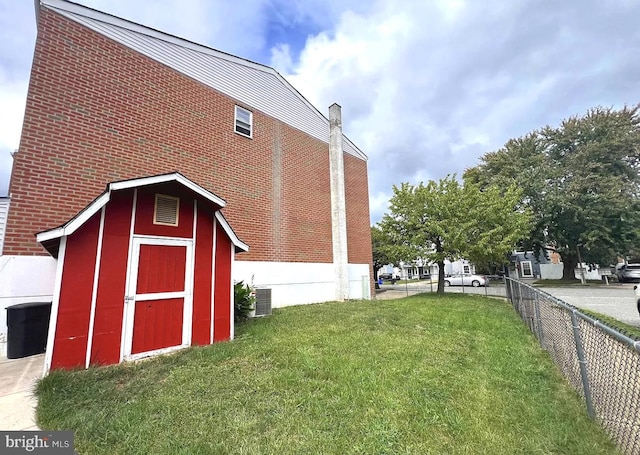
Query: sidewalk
(389,294)
(17,396)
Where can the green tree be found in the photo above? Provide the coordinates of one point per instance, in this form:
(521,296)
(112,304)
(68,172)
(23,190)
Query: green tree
(381,248)
(446,220)
(496,222)
(581,180)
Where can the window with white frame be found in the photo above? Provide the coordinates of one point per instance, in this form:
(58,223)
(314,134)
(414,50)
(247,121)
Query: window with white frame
(527,270)
(244,122)
(466,269)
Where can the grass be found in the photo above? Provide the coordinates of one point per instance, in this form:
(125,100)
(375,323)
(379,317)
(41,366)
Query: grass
(561,283)
(421,375)
(629,330)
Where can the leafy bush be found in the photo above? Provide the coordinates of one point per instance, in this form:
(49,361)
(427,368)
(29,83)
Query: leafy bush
(243,300)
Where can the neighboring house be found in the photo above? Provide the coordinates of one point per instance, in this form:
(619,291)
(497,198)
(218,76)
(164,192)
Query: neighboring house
(550,267)
(459,266)
(527,265)
(110,100)
(4,210)
(544,266)
(417,268)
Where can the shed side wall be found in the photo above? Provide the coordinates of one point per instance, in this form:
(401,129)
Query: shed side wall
(222,291)
(202,277)
(107,329)
(70,340)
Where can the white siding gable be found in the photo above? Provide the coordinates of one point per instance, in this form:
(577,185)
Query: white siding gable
(4,212)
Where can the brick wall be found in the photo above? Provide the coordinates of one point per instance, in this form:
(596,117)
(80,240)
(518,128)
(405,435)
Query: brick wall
(356,191)
(99,112)
(358,232)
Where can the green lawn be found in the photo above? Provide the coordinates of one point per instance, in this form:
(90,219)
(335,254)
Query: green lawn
(422,375)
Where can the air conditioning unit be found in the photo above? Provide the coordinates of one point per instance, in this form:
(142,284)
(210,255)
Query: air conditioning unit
(263,302)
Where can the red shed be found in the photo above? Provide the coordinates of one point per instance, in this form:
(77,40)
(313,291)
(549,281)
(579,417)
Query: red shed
(144,269)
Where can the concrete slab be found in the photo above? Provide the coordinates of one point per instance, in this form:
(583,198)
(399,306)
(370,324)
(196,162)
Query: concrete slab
(18,403)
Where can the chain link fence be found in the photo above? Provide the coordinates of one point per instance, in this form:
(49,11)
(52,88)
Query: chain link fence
(495,288)
(600,362)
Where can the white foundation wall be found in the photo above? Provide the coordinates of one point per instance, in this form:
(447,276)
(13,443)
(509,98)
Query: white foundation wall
(23,279)
(31,278)
(296,283)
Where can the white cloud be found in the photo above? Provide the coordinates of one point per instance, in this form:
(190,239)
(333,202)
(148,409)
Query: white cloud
(228,26)
(12,96)
(281,58)
(428,87)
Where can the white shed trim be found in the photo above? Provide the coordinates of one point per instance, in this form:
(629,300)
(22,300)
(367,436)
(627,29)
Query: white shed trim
(82,217)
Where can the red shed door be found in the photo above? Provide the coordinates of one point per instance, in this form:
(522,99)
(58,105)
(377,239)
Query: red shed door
(159,297)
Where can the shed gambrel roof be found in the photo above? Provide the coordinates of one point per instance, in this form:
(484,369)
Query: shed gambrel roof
(253,84)
(50,239)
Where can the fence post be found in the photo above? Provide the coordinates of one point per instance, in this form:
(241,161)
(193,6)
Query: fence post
(519,307)
(507,288)
(538,318)
(583,364)
(514,295)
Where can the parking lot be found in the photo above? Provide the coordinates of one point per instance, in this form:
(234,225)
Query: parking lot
(615,300)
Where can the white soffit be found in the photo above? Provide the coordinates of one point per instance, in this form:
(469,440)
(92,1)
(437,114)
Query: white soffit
(259,86)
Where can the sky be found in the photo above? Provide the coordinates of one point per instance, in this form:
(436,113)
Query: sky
(426,86)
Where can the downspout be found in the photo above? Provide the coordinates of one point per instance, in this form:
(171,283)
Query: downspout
(338,205)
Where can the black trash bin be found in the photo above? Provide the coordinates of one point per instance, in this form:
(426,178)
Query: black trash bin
(27,329)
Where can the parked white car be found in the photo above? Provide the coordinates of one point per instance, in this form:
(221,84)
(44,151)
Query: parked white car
(628,272)
(465,279)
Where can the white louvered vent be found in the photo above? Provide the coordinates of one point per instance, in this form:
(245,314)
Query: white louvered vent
(166,210)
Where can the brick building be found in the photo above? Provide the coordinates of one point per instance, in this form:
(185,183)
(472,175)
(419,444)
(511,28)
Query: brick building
(111,100)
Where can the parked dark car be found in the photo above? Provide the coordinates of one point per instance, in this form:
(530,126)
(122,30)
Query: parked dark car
(425,276)
(388,277)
